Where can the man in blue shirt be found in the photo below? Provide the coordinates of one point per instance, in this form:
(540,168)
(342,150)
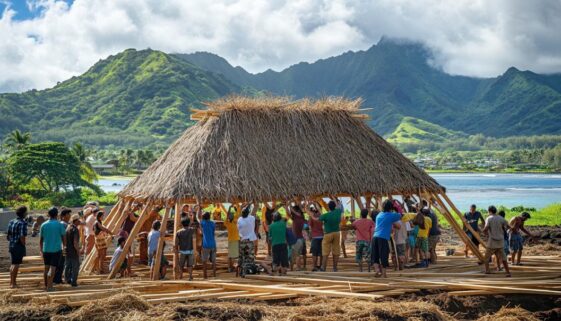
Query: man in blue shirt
(473,217)
(51,245)
(382,234)
(209,243)
(17,231)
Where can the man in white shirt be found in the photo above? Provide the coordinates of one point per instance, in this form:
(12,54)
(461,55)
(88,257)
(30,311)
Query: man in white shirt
(246,229)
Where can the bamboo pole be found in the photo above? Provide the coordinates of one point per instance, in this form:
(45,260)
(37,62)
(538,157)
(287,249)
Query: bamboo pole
(130,239)
(176,223)
(155,269)
(467,225)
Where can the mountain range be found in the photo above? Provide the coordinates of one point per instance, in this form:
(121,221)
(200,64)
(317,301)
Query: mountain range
(137,98)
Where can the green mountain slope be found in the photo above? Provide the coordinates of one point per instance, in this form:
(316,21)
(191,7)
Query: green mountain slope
(395,78)
(131,99)
(413,130)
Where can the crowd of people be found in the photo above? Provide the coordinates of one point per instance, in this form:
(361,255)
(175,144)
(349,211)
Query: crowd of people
(399,235)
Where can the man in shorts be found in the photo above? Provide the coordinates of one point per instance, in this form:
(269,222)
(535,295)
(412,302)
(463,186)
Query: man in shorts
(516,241)
(473,217)
(51,244)
(17,233)
(495,226)
(183,249)
(231,224)
(209,244)
(332,238)
(364,228)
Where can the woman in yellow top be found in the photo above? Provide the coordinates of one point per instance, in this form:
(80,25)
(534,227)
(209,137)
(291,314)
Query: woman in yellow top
(231,224)
(422,243)
(424,222)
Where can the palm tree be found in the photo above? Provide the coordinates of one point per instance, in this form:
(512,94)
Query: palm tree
(16,139)
(86,168)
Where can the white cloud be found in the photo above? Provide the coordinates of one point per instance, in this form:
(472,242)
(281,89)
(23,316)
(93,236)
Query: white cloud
(478,38)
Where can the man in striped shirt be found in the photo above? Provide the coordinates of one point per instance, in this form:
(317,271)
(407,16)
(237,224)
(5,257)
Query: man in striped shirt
(17,231)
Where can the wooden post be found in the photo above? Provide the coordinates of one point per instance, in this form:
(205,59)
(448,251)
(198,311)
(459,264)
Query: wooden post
(368,201)
(155,268)
(468,226)
(353,213)
(176,223)
(130,239)
(379,202)
(359,202)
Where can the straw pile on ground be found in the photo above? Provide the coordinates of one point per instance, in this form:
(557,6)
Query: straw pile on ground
(274,148)
(510,314)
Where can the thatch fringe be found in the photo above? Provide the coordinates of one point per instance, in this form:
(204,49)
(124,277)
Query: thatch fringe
(260,149)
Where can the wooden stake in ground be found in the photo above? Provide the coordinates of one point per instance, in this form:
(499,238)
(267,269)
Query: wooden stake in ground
(130,239)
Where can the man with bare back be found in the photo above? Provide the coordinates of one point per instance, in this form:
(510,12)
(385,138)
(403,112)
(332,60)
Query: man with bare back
(516,241)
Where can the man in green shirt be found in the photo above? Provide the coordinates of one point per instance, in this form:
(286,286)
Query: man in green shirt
(277,235)
(332,238)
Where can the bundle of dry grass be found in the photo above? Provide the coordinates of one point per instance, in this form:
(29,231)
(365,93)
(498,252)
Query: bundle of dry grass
(116,307)
(273,148)
(510,314)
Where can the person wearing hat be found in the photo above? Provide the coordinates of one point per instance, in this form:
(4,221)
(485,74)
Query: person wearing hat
(72,263)
(516,241)
(51,244)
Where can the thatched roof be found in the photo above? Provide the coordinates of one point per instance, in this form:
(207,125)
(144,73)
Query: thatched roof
(273,148)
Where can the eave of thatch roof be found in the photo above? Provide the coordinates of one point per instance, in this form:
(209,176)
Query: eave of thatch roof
(263,149)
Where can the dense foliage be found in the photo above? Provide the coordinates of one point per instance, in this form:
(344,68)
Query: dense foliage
(45,174)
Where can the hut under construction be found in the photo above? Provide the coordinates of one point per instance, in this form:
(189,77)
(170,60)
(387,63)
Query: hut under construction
(274,149)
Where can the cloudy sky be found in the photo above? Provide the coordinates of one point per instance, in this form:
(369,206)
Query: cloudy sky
(45,41)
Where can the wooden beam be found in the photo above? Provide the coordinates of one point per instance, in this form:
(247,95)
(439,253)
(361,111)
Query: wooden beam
(458,229)
(155,273)
(176,223)
(130,239)
(468,226)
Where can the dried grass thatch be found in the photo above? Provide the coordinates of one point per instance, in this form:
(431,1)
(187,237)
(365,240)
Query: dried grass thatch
(273,148)
(510,314)
(116,307)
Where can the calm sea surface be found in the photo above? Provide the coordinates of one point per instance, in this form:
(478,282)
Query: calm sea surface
(530,190)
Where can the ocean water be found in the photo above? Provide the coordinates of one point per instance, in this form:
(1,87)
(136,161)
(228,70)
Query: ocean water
(529,190)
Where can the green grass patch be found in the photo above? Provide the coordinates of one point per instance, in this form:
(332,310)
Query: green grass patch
(547,216)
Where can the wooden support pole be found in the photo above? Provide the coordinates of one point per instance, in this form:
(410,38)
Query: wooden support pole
(458,229)
(359,202)
(379,202)
(353,213)
(159,250)
(368,201)
(130,239)
(176,223)
(468,226)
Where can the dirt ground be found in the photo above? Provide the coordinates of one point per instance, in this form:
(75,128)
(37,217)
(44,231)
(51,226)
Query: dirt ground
(425,305)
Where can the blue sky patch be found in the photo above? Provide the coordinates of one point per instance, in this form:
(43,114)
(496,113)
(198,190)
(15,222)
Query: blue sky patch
(24,8)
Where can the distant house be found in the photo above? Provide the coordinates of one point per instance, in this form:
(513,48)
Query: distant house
(105,169)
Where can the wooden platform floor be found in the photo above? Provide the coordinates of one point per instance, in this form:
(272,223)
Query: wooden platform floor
(454,274)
